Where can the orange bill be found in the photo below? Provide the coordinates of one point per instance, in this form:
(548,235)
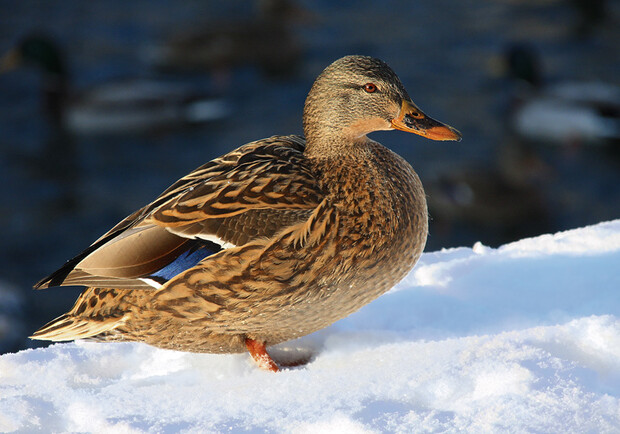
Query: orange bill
(413,120)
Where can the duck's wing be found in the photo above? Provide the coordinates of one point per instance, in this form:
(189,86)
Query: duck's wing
(252,192)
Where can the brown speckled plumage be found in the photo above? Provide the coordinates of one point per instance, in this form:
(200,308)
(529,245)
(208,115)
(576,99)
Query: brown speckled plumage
(310,231)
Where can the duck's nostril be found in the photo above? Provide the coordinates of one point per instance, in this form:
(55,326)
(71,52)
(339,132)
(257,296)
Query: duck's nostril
(409,121)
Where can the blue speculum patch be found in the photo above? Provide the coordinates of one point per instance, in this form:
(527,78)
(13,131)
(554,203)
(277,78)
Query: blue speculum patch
(199,250)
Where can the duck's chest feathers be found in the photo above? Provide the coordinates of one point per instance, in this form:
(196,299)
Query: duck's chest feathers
(377,197)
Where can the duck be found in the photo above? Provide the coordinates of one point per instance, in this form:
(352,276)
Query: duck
(264,40)
(496,203)
(561,113)
(272,241)
(123,106)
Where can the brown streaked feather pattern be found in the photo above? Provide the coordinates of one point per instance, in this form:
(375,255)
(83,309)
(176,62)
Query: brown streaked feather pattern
(213,307)
(269,173)
(242,228)
(272,241)
(81,323)
(248,193)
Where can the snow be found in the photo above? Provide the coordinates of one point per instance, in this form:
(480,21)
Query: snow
(523,338)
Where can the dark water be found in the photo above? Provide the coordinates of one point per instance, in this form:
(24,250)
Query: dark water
(61,192)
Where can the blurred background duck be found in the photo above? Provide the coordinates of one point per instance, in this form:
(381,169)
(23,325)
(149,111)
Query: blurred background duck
(563,112)
(127,106)
(501,202)
(266,40)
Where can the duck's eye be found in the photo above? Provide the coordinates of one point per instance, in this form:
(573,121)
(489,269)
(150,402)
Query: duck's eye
(370,87)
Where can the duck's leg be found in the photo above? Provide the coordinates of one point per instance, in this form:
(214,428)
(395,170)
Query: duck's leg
(259,354)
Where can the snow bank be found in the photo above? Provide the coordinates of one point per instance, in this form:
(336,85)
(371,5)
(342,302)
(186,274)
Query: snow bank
(521,338)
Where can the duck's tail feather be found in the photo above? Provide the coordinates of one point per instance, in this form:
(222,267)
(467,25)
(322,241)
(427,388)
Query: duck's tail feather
(88,319)
(69,327)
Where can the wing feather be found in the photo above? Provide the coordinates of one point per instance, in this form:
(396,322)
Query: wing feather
(254,191)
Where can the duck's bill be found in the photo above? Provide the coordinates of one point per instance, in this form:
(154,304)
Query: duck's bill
(413,120)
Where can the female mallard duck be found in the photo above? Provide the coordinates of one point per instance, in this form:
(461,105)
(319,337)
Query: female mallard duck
(563,113)
(272,241)
(120,106)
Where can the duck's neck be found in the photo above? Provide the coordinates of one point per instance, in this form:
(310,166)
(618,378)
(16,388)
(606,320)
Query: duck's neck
(331,135)
(328,144)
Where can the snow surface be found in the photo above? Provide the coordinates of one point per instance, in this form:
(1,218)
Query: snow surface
(523,338)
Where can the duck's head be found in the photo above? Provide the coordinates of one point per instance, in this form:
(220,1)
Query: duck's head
(36,50)
(357,95)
